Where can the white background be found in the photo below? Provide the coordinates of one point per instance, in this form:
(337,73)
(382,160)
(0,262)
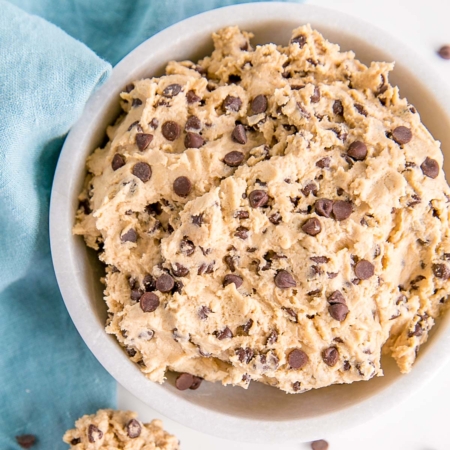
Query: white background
(423,421)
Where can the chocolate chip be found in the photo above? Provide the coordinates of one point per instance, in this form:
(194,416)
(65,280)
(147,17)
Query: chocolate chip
(129,236)
(146,335)
(323,207)
(309,188)
(134,124)
(129,87)
(312,226)
(319,445)
(244,354)
(133,429)
(233,159)
(441,271)
(165,283)
(297,359)
(198,220)
(232,103)
(272,338)
(149,283)
(342,209)
(319,259)
(180,270)
(284,280)
(360,109)
(193,140)
(430,168)
(315,98)
(402,135)
(229,261)
(184,381)
(75,441)
(258,198)
(193,124)
(444,52)
(149,302)
(230,278)
(338,311)
(338,108)
(136,102)
(192,97)
(364,269)
(292,314)
(275,218)
(417,331)
(143,140)
(94,434)
(182,186)
(300,40)
(203,312)
(206,268)
(187,247)
(323,163)
(118,161)
(136,294)
(172,90)
(259,104)
(330,356)
(241,214)
(346,366)
(357,150)
(223,334)
(243,330)
(241,232)
(239,135)
(336,297)
(26,440)
(154,123)
(143,171)
(196,384)
(171,130)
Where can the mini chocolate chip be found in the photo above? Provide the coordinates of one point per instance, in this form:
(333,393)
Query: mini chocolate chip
(233,159)
(402,135)
(346,366)
(129,87)
(118,161)
(198,220)
(193,124)
(300,40)
(172,90)
(338,311)
(26,440)
(417,331)
(94,434)
(206,268)
(129,236)
(336,297)
(143,171)
(136,294)
(364,269)
(149,283)
(342,209)
(229,261)
(292,314)
(75,441)
(192,97)
(444,52)
(180,270)
(133,429)
(241,232)
(196,384)
(315,98)
(259,104)
(239,135)
(165,283)
(149,302)
(230,278)
(430,168)
(330,356)
(244,354)
(297,359)
(223,334)
(441,271)
(323,163)
(319,445)
(275,218)
(272,338)
(312,226)
(241,214)
(323,207)
(360,108)
(284,280)
(319,259)
(171,130)
(187,247)
(258,198)
(143,140)
(203,312)
(154,123)
(338,108)
(357,150)
(184,381)
(136,102)
(193,140)
(232,103)
(182,186)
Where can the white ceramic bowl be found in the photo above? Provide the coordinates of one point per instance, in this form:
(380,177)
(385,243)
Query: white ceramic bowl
(260,414)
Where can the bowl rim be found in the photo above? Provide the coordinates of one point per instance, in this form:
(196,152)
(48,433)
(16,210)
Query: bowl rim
(66,267)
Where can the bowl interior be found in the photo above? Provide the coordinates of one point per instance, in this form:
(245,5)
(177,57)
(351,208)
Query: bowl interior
(260,405)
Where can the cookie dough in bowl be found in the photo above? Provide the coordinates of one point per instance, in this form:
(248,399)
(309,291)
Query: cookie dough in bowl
(274,214)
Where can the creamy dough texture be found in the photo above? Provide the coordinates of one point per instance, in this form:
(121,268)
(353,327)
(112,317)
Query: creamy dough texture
(277,214)
(117,430)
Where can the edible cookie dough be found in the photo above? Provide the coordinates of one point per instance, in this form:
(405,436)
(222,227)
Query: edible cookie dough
(271,213)
(109,429)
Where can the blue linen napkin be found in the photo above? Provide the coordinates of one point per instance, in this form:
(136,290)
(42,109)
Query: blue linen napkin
(48,376)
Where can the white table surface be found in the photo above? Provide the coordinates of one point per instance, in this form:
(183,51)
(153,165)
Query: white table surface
(421,422)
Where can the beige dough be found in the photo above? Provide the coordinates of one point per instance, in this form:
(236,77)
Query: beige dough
(323,286)
(109,429)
